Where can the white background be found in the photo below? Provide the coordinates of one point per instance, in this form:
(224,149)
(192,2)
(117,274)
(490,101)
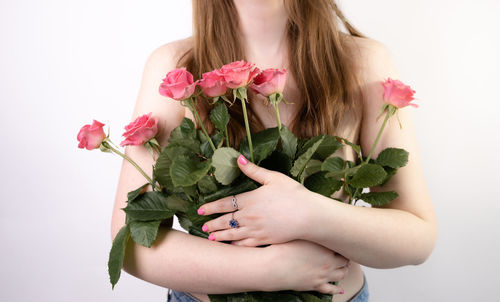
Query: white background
(64,63)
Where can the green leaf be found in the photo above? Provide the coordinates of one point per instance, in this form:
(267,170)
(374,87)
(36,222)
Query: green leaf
(116,255)
(288,142)
(144,232)
(226,167)
(312,166)
(245,185)
(189,144)
(189,190)
(393,157)
(134,194)
(207,185)
(390,173)
(379,198)
(184,220)
(333,164)
(205,147)
(327,147)
(345,172)
(176,203)
(320,184)
(185,130)
(149,206)
(162,170)
(264,143)
(197,231)
(187,170)
(356,148)
(368,175)
(277,161)
(301,162)
(220,116)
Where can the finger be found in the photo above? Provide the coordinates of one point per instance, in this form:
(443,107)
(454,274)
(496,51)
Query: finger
(227,235)
(328,288)
(341,260)
(223,205)
(221,223)
(249,242)
(338,274)
(259,174)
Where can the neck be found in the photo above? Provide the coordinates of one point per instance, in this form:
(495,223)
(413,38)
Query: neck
(262,24)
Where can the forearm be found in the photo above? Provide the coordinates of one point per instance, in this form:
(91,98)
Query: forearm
(187,263)
(374,237)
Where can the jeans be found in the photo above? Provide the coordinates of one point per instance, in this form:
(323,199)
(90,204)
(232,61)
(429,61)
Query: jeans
(175,296)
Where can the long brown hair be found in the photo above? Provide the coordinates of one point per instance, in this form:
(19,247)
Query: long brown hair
(320,61)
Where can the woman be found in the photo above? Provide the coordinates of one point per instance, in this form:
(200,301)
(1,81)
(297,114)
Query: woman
(333,87)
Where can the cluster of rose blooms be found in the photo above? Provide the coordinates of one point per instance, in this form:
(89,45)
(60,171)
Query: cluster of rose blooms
(178,84)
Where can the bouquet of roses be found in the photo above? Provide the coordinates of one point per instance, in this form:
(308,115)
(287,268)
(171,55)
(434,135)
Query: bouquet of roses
(197,167)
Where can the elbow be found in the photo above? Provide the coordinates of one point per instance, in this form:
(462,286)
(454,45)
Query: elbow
(428,242)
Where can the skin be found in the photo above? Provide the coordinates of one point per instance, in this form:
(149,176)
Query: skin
(311,236)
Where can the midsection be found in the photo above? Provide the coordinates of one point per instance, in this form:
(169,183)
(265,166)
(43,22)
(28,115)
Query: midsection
(351,284)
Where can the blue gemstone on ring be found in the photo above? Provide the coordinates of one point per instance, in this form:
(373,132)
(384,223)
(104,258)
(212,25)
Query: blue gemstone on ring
(233,223)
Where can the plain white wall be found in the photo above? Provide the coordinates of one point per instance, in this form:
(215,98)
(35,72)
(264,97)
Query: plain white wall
(63,63)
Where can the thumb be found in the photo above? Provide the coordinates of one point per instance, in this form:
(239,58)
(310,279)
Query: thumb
(259,174)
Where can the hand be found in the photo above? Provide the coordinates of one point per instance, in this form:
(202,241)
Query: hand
(276,212)
(303,265)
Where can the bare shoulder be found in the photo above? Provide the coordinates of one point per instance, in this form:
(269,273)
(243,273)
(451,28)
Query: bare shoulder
(372,59)
(167,54)
(160,61)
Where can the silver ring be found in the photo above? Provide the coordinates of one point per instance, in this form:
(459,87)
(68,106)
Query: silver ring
(235,205)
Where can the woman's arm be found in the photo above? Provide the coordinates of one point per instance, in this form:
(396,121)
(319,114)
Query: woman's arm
(188,263)
(281,209)
(404,232)
(177,259)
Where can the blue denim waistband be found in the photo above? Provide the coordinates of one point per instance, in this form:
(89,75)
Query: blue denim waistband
(362,295)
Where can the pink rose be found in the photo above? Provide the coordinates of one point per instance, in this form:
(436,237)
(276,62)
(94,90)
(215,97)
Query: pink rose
(269,81)
(140,131)
(212,84)
(237,74)
(398,94)
(91,136)
(178,84)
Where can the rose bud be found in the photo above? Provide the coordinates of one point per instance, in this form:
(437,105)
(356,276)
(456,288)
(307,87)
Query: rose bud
(212,84)
(140,131)
(398,94)
(178,84)
(91,136)
(237,74)
(269,81)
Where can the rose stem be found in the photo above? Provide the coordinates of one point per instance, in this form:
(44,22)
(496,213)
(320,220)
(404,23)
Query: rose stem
(388,114)
(131,162)
(278,120)
(198,118)
(245,116)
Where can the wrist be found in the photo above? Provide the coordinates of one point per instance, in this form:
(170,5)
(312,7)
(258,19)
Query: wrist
(317,218)
(269,263)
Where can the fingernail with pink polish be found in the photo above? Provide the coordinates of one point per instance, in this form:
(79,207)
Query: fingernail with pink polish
(242,160)
(204,228)
(211,237)
(201,211)
(342,292)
